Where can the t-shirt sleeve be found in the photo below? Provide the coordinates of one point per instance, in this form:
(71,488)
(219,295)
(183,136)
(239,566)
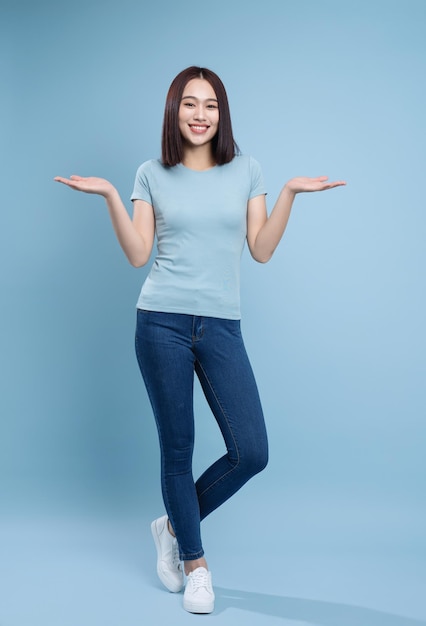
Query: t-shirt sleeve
(141,189)
(257,183)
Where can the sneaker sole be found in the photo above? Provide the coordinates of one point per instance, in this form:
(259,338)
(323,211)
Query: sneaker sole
(208,607)
(172,588)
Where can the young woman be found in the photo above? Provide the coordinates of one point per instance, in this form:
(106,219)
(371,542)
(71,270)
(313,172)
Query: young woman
(202,200)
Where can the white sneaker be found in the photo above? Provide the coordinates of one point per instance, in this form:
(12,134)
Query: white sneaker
(199,596)
(169,567)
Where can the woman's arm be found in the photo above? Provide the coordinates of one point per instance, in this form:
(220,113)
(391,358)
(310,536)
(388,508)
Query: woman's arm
(264,233)
(135,237)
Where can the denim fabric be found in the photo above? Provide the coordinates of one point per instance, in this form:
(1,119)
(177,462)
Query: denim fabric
(169,348)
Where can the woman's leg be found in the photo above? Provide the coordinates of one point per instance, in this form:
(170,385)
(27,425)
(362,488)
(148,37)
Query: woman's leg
(229,385)
(164,352)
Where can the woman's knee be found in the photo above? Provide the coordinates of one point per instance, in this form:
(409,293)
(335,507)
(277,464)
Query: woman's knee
(177,460)
(254,460)
(261,461)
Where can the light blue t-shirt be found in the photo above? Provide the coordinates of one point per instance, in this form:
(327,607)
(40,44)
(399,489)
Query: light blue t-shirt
(201,226)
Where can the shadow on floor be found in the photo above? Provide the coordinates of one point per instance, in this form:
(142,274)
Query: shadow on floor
(310,611)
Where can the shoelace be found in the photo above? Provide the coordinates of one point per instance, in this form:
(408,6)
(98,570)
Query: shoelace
(175,556)
(199,578)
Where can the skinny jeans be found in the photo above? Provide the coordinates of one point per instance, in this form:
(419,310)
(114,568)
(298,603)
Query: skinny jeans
(170,347)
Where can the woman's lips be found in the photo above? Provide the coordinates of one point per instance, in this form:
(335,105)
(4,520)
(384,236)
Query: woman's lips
(196,128)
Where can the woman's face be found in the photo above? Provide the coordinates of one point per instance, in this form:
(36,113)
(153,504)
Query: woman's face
(198,113)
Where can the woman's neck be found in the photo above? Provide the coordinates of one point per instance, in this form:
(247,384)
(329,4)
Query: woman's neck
(198,158)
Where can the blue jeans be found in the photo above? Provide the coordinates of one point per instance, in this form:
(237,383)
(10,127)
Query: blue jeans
(169,348)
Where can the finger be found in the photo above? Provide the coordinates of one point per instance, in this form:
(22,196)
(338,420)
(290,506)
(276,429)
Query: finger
(337,183)
(75,177)
(69,183)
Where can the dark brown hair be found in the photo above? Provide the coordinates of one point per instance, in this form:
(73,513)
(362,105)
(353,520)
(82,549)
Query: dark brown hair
(223,144)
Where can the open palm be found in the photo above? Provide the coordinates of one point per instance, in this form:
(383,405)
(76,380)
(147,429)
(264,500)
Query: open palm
(304,183)
(91,184)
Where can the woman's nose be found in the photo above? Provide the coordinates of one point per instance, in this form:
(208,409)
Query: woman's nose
(200,113)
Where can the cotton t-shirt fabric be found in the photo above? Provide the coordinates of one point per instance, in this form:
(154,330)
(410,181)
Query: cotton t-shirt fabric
(201,226)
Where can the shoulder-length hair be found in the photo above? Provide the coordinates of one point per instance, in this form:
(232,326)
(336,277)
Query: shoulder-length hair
(223,144)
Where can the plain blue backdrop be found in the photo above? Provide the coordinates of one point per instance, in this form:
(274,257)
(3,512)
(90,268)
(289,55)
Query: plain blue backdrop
(334,324)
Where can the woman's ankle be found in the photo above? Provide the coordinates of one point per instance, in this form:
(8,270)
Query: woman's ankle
(170,528)
(190,566)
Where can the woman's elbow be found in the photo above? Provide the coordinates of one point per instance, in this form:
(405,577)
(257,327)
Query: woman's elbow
(138,261)
(262,257)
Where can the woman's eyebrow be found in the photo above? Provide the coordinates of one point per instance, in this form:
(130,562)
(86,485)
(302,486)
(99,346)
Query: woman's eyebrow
(194,98)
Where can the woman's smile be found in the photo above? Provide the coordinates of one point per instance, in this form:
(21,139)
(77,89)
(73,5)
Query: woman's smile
(198,129)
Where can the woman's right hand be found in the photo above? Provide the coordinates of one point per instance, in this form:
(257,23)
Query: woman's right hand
(91,184)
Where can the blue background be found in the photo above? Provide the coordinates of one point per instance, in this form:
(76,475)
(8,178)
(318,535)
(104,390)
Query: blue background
(334,324)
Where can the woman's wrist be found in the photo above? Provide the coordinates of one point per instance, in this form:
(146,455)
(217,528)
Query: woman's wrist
(111,194)
(288,191)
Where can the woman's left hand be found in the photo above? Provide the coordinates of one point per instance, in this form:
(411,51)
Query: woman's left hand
(303,183)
